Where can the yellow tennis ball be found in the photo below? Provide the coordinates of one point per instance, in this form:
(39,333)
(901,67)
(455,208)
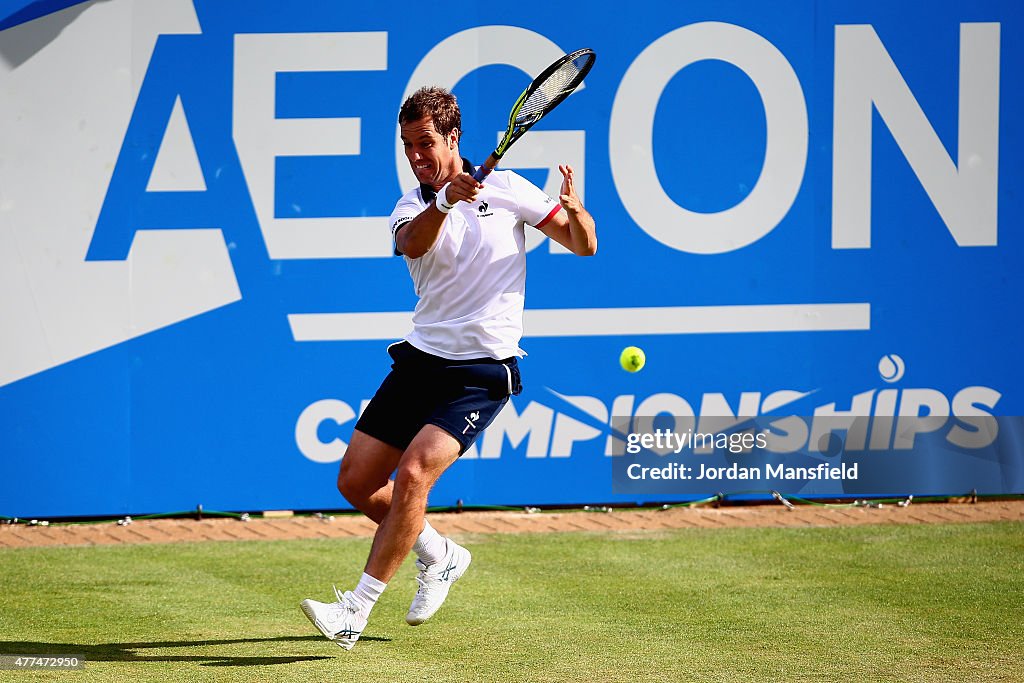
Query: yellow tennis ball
(632,359)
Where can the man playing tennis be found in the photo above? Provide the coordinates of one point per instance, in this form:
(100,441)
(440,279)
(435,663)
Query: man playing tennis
(464,243)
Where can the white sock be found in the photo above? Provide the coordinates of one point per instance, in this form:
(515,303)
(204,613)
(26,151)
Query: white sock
(430,546)
(367,592)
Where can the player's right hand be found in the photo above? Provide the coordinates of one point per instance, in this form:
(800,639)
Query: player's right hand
(463,188)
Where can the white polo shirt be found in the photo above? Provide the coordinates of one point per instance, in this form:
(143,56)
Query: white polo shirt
(472,283)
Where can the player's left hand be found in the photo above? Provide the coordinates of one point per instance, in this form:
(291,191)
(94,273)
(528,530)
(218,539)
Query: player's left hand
(568,198)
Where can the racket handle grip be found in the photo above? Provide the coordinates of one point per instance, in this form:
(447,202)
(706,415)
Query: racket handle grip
(484,169)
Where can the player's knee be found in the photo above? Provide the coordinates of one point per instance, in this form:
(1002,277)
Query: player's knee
(353,486)
(412,474)
(346,487)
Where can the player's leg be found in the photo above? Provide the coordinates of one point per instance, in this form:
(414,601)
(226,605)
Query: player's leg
(431,453)
(485,389)
(395,416)
(364,478)
(364,481)
(387,425)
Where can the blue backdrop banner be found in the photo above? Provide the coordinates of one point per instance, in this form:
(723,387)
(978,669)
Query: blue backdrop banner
(808,213)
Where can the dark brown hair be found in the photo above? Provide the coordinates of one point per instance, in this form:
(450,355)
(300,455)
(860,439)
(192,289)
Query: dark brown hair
(437,103)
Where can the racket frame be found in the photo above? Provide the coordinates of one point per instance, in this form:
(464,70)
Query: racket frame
(514,132)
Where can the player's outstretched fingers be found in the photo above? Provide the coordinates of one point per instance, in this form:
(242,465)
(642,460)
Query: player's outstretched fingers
(567,198)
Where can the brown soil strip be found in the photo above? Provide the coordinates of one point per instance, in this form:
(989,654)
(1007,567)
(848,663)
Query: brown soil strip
(616,521)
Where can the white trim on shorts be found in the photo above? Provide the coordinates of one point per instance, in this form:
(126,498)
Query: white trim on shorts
(508,372)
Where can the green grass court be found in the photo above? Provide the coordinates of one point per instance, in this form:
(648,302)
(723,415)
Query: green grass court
(880,603)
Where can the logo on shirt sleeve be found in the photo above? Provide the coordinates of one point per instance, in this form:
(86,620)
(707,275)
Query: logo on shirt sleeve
(399,223)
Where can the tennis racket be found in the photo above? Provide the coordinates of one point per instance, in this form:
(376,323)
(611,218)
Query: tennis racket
(546,92)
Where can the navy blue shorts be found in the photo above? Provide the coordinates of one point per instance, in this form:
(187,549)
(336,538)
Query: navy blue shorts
(459,396)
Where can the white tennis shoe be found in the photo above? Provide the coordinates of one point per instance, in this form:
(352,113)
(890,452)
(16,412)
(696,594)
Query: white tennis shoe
(435,581)
(340,621)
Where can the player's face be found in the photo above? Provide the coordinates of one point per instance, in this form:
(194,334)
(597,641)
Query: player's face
(434,158)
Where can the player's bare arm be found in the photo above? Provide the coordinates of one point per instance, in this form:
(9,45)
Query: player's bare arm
(415,238)
(574,227)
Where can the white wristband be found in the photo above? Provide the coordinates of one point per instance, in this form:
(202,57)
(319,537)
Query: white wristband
(441,201)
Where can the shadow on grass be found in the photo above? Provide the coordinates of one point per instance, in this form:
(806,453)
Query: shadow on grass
(126,652)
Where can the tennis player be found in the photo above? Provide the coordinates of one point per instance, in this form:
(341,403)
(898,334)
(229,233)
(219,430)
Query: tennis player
(465,245)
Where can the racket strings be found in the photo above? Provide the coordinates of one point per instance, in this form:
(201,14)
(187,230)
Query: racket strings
(553,90)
